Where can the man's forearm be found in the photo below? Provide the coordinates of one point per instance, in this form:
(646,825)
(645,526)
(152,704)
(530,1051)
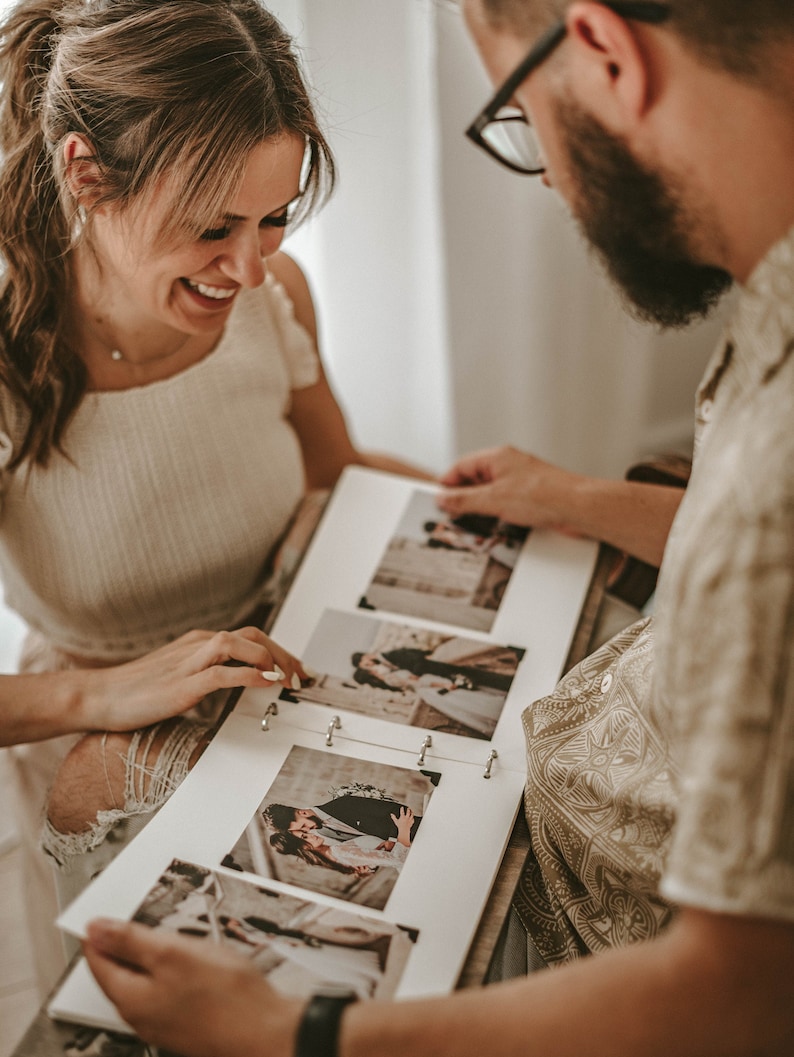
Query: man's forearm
(632,516)
(696,992)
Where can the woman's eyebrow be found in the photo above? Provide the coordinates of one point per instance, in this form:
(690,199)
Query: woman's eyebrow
(277,209)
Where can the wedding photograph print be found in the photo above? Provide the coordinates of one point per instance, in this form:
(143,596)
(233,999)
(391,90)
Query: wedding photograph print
(450,570)
(409,675)
(337,825)
(299,945)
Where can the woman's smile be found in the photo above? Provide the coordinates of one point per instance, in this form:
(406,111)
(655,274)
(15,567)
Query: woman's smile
(214,298)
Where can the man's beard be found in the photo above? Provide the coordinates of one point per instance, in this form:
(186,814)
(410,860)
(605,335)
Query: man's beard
(634,220)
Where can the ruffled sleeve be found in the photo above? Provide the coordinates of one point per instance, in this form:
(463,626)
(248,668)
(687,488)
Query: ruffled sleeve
(298,348)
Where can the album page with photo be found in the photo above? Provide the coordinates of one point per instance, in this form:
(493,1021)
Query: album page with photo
(412,625)
(381,793)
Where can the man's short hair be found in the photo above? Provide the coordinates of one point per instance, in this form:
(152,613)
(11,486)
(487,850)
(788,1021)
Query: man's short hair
(279,816)
(733,35)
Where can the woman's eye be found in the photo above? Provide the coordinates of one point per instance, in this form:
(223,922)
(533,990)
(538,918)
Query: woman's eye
(215,234)
(277,220)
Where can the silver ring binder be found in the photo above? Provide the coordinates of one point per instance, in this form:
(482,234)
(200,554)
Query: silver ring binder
(272,710)
(335,724)
(425,746)
(492,755)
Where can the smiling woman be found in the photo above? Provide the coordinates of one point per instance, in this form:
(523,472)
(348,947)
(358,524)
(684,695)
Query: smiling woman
(162,305)
(163,408)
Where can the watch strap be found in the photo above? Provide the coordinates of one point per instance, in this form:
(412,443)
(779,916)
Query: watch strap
(318,1031)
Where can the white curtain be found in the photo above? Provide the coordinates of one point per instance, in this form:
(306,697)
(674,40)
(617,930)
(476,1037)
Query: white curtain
(458,304)
(375,255)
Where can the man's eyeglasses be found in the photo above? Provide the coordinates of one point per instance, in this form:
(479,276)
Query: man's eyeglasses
(504,131)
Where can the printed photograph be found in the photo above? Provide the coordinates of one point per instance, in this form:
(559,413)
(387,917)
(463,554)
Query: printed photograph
(336,825)
(297,944)
(408,675)
(454,571)
(46,1037)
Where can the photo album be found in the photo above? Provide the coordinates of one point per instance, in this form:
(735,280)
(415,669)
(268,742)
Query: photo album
(348,831)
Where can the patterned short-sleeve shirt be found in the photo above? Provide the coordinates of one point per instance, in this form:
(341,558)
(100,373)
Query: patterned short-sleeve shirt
(725,625)
(661,770)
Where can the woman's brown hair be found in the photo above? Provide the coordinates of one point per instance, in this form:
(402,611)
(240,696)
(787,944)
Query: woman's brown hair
(292,844)
(174,91)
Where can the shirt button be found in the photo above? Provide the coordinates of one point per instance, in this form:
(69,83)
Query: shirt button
(705,410)
(606,682)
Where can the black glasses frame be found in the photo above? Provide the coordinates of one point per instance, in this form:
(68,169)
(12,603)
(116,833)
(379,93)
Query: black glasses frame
(640,11)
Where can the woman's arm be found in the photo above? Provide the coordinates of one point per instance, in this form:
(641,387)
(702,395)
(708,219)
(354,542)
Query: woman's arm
(518,487)
(157,686)
(315,414)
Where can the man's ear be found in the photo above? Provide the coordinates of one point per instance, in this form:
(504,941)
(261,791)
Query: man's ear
(609,69)
(81,169)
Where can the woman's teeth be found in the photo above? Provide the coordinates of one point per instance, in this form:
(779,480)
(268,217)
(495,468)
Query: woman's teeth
(217,293)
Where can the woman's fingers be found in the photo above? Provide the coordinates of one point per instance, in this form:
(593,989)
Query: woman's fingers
(252,647)
(177,676)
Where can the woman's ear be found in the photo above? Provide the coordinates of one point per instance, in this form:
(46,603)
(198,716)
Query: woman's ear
(609,68)
(81,169)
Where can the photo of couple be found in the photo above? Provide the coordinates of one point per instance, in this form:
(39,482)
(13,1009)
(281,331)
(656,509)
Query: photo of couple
(297,944)
(336,825)
(408,675)
(452,570)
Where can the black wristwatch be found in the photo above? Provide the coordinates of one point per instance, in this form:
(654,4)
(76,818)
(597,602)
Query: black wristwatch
(318,1031)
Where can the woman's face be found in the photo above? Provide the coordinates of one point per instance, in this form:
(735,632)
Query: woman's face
(314,840)
(192,287)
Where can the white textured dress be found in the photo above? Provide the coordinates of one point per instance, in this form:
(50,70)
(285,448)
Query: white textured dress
(163,518)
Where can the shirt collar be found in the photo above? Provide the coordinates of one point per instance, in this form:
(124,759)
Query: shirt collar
(763,323)
(759,335)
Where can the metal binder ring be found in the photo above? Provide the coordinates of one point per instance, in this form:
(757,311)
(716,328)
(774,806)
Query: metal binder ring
(492,755)
(425,746)
(335,724)
(272,710)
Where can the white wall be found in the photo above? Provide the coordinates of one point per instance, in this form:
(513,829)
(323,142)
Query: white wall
(373,256)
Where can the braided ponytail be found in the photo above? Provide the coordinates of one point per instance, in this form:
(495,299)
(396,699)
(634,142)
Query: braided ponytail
(40,373)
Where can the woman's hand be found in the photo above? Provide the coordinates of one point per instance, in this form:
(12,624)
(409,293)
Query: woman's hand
(508,484)
(403,821)
(176,677)
(188,995)
(152,688)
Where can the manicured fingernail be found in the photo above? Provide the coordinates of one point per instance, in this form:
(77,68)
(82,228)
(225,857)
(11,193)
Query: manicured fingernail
(272,677)
(295,681)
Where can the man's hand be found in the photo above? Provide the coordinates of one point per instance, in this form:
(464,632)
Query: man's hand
(189,995)
(509,484)
(632,516)
(403,821)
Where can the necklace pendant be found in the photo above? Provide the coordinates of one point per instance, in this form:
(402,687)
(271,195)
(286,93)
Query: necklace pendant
(116,354)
